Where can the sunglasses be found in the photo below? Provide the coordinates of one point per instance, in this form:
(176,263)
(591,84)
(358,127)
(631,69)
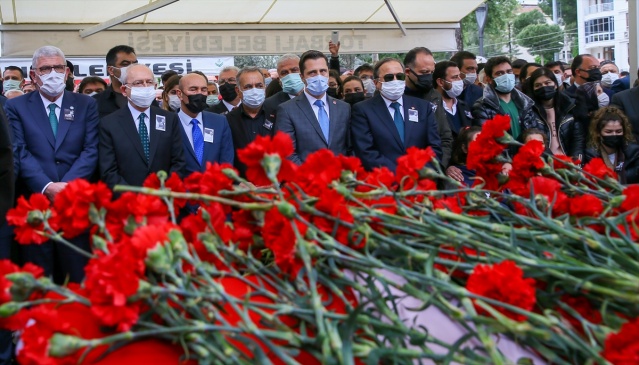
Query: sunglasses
(390,77)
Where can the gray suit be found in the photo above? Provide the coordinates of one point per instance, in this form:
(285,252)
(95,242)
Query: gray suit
(628,102)
(296,117)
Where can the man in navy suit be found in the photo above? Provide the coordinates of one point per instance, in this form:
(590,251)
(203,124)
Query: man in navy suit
(56,141)
(389,122)
(140,139)
(206,136)
(313,119)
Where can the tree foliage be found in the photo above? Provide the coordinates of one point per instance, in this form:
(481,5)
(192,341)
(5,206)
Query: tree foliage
(500,13)
(525,19)
(567,11)
(541,39)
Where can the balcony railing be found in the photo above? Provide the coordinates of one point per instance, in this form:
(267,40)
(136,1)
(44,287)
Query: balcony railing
(598,37)
(594,9)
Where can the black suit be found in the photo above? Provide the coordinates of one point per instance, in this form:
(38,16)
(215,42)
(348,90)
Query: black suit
(7,181)
(270,104)
(122,160)
(242,134)
(219,108)
(628,102)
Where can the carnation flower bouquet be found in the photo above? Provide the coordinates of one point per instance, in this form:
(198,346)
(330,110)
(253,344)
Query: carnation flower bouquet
(326,263)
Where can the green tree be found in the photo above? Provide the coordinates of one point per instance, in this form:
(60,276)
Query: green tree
(525,19)
(542,40)
(567,11)
(500,14)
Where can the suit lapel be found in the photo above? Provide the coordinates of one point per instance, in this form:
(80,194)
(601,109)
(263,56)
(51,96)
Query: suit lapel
(208,146)
(388,121)
(41,117)
(155,134)
(64,124)
(332,118)
(307,111)
(128,127)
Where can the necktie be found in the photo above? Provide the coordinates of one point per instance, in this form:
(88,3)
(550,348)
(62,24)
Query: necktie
(322,118)
(144,136)
(53,120)
(399,121)
(198,141)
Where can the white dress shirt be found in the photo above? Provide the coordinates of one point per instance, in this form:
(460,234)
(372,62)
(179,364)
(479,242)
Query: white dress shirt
(230,106)
(453,110)
(391,110)
(188,127)
(147,119)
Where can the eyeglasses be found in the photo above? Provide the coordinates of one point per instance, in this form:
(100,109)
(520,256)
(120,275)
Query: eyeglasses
(390,77)
(142,83)
(45,70)
(230,80)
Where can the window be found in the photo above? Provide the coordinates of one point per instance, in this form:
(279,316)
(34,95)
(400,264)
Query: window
(601,29)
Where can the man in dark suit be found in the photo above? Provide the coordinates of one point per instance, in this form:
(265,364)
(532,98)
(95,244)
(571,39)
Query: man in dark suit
(140,139)
(388,123)
(584,68)
(56,140)
(226,81)
(313,119)
(206,136)
(7,185)
(288,69)
(628,102)
(249,120)
(111,99)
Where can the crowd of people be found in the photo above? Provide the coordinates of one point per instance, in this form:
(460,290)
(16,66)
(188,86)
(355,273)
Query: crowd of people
(123,131)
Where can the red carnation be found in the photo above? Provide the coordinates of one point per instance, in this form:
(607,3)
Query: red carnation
(412,162)
(73,203)
(597,167)
(503,282)
(526,163)
(253,157)
(622,348)
(211,181)
(631,202)
(318,171)
(583,307)
(143,209)
(586,205)
(279,237)
(173,183)
(486,148)
(27,232)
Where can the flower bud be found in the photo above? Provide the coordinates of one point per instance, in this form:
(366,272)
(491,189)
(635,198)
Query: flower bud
(271,164)
(10,308)
(35,218)
(160,258)
(61,345)
(99,243)
(24,283)
(287,209)
(162,176)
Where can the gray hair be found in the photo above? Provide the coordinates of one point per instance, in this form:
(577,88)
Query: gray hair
(125,75)
(286,57)
(230,68)
(47,51)
(249,69)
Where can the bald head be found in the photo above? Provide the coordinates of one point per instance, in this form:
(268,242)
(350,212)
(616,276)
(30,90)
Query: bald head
(138,71)
(189,80)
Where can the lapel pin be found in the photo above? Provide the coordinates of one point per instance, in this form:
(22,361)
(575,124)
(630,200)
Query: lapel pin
(334,102)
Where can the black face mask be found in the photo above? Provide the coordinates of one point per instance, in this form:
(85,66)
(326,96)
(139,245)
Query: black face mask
(354,97)
(424,82)
(545,93)
(197,103)
(69,84)
(594,75)
(332,92)
(227,90)
(612,141)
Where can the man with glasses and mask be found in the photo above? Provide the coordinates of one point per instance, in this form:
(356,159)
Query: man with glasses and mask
(206,136)
(226,81)
(419,66)
(384,126)
(313,119)
(502,98)
(249,121)
(288,69)
(140,139)
(56,134)
(585,68)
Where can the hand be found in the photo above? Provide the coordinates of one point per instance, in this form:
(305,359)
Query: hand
(53,189)
(454,173)
(506,168)
(333,48)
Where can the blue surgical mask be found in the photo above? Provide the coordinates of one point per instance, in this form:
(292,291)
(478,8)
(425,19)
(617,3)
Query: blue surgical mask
(11,85)
(292,83)
(317,85)
(212,100)
(267,81)
(505,83)
(253,97)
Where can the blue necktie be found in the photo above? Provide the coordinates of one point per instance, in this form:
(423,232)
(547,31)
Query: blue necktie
(399,121)
(53,120)
(322,118)
(144,136)
(198,140)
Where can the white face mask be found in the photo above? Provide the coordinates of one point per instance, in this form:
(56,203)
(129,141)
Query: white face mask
(369,87)
(471,78)
(393,90)
(93,93)
(11,85)
(52,83)
(122,77)
(212,100)
(603,100)
(174,102)
(142,96)
(456,89)
(253,97)
(608,79)
(559,78)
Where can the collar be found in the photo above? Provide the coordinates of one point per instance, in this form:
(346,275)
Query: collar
(311,99)
(136,113)
(186,120)
(57,101)
(230,106)
(388,102)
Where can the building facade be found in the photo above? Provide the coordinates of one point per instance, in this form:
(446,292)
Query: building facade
(602,26)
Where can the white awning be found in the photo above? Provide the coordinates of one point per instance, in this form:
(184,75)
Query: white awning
(229,27)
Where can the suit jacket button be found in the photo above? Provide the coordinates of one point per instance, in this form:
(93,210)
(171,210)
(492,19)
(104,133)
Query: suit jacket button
(57,162)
